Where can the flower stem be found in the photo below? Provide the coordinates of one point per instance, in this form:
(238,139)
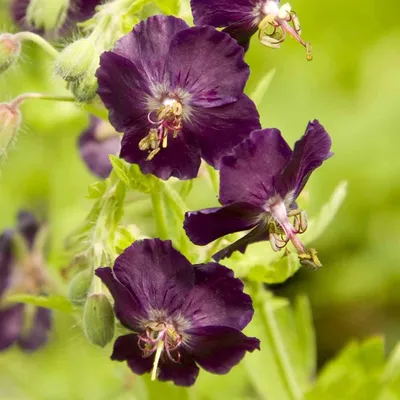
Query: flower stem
(97,285)
(160,348)
(39,96)
(159,215)
(44,44)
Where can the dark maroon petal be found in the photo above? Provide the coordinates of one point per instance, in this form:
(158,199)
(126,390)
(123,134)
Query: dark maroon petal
(6,260)
(217,299)
(183,373)
(11,321)
(242,32)
(148,43)
(248,175)
(219,348)
(208,64)
(126,349)
(258,234)
(27,226)
(179,159)
(217,130)
(38,334)
(128,307)
(221,13)
(308,154)
(155,273)
(123,90)
(204,226)
(95,150)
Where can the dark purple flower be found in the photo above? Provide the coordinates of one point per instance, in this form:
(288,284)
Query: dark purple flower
(177,95)
(243,18)
(181,316)
(78,11)
(259,185)
(26,325)
(96,143)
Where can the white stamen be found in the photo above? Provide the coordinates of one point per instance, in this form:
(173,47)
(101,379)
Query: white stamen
(271,7)
(169,102)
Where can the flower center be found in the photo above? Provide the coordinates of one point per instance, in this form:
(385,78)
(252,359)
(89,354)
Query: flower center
(163,339)
(277,22)
(282,230)
(166,120)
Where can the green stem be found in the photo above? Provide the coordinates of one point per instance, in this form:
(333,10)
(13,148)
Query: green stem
(281,355)
(44,44)
(38,96)
(159,214)
(97,285)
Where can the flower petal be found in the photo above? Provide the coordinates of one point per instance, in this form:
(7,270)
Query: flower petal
(208,64)
(157,274)
(217,130)
(218,349)
(217,299)
(308,154)
(11,321)
(204,226)
(242,31)
(27,226)
(178,159)
(128,307)
(126,349)
(148,43)
(6,260)
(123,90)
(248,175)
(38,335)
(183,373)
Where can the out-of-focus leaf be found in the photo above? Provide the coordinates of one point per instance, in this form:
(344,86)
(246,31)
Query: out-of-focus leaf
(96,190)
(261,89)
(52,302)
(169,6)
(391,377)
(120,168)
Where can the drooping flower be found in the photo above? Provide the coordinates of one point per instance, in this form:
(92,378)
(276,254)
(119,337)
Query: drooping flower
(52,18)
(177,95)
(259,185)
(243,18)
(96,143)
(181,316)
(25,325)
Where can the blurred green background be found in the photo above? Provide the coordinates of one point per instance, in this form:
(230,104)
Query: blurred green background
(352,86)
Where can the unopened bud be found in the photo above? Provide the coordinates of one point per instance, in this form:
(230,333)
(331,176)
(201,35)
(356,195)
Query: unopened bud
(98,319)
(10,120)
(79,287)
(47,15)
(76,60)
(10,49)
(85,89)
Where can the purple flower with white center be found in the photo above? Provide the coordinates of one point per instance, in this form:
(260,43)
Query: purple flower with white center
(177,95)
(259,185)
(243,18)
(96,143)
(182,316)
(27,326)
(77,11)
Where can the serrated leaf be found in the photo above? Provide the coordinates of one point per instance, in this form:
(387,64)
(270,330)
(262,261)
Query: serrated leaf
(261,89)
(96,190)
(169,6)
(52,302)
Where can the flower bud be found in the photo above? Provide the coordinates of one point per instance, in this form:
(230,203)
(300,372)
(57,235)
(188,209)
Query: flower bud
(10,48)
(47,15)
(10,120)
(76,59)
(98,319)
(79,287)
(85,89)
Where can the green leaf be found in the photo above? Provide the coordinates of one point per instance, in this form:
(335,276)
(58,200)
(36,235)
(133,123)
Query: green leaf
(138,181)
(120,168)
(96,190)
(260,91)
(169,6)
(52,302)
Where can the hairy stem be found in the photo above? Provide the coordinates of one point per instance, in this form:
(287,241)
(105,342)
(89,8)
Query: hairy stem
(44,44)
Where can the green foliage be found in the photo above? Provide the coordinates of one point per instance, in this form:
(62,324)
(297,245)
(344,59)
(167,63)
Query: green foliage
(53,302)
(170,7)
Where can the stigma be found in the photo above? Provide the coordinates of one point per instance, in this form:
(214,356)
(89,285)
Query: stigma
(277,22)
(166,121)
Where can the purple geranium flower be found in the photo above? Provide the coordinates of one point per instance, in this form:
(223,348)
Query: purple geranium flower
(177,95)
(28,326)
(260,183)
(182,316)
(78,11)
(96,143)
(243,18)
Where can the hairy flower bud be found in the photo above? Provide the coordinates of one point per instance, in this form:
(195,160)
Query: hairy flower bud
(10,120)
(47,15)
(98,319)
(85,89)
(10,49)
(79,287)
(76,59)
